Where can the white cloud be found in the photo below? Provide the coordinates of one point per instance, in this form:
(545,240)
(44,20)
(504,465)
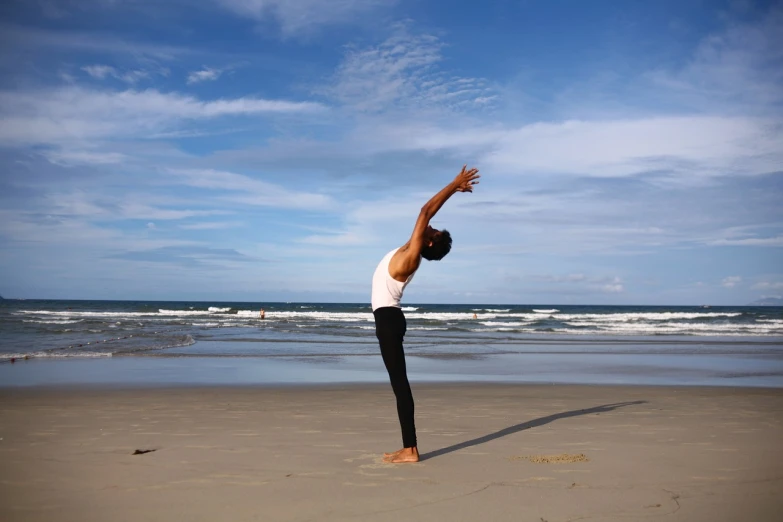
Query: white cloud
(83,157)
(776,241)
(27,38)
(68,113)
(607,285)
(295,16)
(693,146)
(343,239)
(133,76)
(570,278)
(768,285)
(252,191)
(403,72)
(100,72)
(613,287)
(742,65)
(731,281)
(204,74)
(686,147)
(212,225)
(92,205)
(138,210)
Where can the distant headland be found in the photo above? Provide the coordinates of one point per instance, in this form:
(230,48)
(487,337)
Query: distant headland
(768,301)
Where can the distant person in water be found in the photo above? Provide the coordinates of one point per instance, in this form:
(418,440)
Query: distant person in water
(262,314)
(393,274)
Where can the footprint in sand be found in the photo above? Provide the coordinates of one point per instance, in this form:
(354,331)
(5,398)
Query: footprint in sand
(562,458)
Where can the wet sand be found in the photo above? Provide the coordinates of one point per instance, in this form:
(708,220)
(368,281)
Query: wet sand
(489,452)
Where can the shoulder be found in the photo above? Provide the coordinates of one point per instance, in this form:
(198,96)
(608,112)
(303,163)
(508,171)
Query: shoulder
(405,252)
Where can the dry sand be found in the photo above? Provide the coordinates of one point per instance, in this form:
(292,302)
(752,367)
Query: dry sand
(490,453)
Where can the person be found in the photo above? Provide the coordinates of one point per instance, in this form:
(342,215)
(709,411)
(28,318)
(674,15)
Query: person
(262,314)
(393,274)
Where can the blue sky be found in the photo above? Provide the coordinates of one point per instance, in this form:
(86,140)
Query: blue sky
(268,150)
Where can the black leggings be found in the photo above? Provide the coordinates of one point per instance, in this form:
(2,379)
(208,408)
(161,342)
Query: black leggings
(390,329)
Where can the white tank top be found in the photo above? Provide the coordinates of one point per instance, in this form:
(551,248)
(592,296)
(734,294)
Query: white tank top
(387,291)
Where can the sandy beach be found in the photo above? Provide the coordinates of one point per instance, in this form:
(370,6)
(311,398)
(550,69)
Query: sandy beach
(489,452)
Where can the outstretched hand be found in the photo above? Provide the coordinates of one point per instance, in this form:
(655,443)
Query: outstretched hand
(466,179)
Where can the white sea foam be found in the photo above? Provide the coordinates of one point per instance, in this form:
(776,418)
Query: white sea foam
(52,321)
(54,355)
(447,316)
(504,323)
(641,328)
(323,316)
(252,313)
(183,313)
(707,322)
(427,328)
(71,313)
(650,316)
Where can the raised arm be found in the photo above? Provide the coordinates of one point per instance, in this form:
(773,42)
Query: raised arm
(408,257)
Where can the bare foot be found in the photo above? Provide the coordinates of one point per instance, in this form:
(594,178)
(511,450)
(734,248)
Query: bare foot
(387,455)
(402,456)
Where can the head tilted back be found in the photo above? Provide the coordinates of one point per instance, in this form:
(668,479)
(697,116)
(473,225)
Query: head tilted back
(441,245)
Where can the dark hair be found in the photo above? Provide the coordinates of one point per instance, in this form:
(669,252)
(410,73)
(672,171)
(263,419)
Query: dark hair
(441,245)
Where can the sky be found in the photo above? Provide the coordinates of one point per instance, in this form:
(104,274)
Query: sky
(274,150)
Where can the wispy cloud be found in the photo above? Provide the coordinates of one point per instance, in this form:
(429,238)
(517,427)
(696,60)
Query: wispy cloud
(97,205)
(731,281)
(192,256)
(296,16)
(99,71)
(581,282)
(83,157)
(57,41)
(403,72)
(776,241)
(738,68)
(768,285)
(570,278)
(66,113)
(689,146)
(682,148)
(103,71)
(212,225)
(251,191)
(205,74)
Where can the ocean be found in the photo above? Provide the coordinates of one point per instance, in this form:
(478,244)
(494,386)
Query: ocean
(450,342)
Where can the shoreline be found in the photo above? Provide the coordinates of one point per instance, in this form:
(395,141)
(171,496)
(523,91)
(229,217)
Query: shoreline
(722,370)
(490,451)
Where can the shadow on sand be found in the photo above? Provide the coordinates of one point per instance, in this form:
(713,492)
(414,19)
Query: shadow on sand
(526,425)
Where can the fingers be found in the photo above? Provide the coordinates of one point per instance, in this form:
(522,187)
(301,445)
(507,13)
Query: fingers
(468,178)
